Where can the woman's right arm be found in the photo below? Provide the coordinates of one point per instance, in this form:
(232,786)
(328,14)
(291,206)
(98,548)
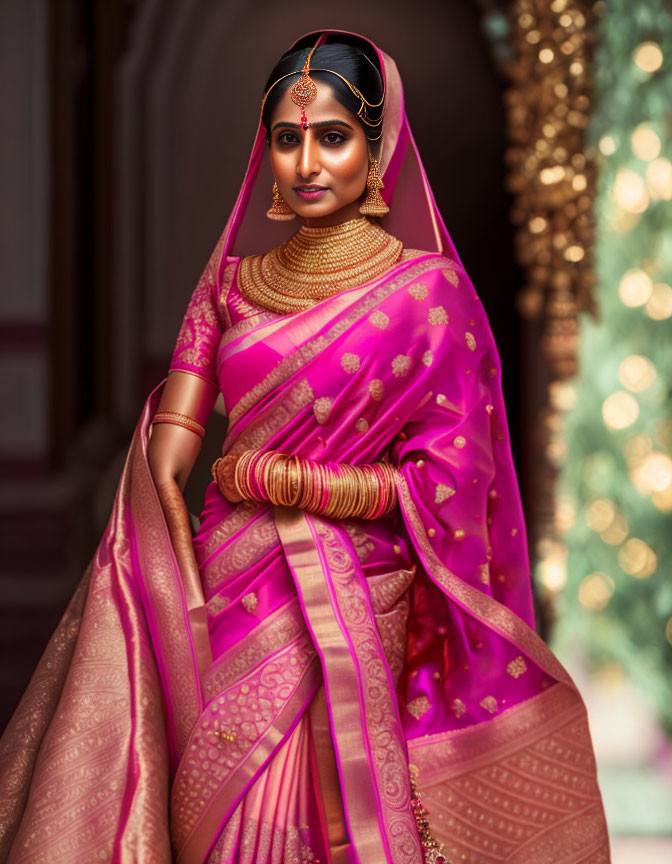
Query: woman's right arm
(171,452)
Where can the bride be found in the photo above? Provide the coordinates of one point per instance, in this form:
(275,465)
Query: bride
(340,664)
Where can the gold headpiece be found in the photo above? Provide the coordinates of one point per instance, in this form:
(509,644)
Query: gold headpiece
(304,91)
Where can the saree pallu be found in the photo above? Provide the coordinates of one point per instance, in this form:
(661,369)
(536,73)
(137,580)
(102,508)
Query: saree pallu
(272,718)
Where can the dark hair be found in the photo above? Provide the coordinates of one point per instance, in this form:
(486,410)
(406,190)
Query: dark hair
(350,57)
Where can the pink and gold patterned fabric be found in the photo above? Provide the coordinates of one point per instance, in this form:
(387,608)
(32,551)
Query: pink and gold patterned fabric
(343,651)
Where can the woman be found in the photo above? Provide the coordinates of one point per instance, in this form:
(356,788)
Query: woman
(351,625)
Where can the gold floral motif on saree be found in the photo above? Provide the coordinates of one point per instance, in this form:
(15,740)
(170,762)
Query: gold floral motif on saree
(458,707)
(419,291)
(490,704)
(250,602)
(322,409)
(350,363)
(437,316)
(443,492)
(376,389)
(379,319)
(517,667)
(418,707)
(401,365)
(451,275)
(217,603)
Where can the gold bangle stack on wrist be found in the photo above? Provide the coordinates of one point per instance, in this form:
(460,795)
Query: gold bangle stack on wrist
(337,490)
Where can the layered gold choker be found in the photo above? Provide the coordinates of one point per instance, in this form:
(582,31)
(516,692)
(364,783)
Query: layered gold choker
(317,263)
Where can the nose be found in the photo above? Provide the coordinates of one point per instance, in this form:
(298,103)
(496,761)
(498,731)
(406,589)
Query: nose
(308,163)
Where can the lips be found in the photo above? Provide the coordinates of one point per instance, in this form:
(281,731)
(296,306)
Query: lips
(311,192)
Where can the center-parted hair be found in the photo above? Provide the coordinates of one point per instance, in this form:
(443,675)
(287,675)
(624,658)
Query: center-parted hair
(349,57)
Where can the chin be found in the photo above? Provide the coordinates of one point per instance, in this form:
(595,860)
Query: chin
(318,212)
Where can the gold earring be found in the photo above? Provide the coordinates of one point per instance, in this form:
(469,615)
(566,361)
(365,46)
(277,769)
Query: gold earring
(279,211)
(373,204)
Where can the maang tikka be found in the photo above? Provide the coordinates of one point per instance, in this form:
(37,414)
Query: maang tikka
(304,91)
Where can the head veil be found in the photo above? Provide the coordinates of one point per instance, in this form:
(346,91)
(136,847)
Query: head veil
(414,217)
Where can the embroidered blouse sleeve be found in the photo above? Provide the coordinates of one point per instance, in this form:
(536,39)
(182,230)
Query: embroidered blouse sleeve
(204,321)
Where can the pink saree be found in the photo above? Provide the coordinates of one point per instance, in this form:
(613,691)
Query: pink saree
(271,714)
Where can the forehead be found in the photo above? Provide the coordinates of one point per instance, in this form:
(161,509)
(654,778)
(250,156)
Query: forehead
(324,107)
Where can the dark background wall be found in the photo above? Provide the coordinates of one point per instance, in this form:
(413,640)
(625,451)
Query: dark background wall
(127,127)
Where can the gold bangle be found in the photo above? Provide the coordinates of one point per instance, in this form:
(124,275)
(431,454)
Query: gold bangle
(182,420)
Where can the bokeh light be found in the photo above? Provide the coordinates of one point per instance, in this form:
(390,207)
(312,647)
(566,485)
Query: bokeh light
(574,252)
(637,558)
(653,473)
(648,56)
(600,513)
(607,145)
(637,373)
(616,532)
(659,179)
(645,143)
(595,590)
(552,566)
(659,304)
(635,288)
(630,191)
(620,410)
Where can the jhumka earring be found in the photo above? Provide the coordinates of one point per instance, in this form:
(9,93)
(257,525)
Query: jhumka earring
(373,204)
(279,211)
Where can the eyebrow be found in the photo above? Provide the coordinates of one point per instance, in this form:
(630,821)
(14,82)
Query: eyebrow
(319,125)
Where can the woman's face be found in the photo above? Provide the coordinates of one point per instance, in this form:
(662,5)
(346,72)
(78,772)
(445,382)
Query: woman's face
(332,154)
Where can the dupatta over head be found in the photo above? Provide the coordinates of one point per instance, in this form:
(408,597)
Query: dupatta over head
(335,652)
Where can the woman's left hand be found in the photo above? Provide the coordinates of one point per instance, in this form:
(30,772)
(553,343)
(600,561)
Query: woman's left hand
(223,472)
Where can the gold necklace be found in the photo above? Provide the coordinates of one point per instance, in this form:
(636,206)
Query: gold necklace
(317,263)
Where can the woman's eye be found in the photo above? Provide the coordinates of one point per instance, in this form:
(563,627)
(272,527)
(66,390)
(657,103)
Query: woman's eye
(334,138)
(287,138)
